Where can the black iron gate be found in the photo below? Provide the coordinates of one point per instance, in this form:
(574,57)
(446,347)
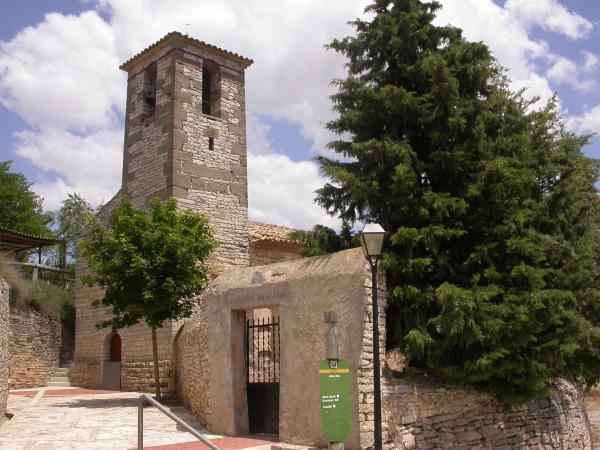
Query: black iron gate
(262,374)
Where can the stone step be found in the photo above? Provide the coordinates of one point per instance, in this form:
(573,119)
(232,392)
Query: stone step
(59,378)
(58,383)
(61,371)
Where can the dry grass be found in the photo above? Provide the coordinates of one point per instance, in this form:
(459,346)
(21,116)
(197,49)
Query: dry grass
(19,288)
(45,298)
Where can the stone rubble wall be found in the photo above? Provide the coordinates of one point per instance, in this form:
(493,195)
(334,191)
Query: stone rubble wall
(139,376)
(420,413)
(192,365)
(84,372)
(4,346)
(267,252)
(34,346)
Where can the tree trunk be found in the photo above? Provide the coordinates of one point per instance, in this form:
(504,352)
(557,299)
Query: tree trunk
(155,356)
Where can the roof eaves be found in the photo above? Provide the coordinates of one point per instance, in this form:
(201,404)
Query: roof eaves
(177,35)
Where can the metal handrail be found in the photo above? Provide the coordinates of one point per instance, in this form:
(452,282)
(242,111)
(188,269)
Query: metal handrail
(167,412)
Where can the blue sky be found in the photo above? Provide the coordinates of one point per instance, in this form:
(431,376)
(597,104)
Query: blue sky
(62,95)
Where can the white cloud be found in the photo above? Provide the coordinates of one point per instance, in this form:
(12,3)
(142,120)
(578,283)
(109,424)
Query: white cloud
(62,77)
(257,135)
(89,165)
(62,73)
(281,191)
(507,31)
(550,15)
(587,122)
(590,61)
(564,71)
(507,37)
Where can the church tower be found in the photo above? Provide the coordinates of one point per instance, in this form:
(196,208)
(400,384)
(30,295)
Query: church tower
(185,136)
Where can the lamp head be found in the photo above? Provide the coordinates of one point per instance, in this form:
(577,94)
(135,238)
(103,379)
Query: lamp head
(371,239)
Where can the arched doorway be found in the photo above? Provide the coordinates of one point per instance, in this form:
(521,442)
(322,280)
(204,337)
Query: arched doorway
(115,347)
(112,362)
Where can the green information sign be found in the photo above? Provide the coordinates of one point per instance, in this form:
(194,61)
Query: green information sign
(336,410)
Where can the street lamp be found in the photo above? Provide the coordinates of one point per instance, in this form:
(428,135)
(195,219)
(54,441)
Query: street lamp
(371,240)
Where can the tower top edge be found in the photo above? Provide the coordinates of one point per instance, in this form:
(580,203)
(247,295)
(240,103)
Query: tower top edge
(176,38)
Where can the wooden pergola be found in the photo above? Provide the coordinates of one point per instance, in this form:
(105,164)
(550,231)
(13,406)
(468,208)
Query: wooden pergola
(12,242)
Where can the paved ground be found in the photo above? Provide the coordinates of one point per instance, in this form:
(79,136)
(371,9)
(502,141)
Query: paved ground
(83,419)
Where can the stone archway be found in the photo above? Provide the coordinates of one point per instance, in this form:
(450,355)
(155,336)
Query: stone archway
(111,377)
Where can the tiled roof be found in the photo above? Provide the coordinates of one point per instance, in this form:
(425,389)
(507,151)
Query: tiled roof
(14,241)
(268,232)
(177,35)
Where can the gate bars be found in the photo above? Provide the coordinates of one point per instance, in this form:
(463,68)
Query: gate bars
(262,350)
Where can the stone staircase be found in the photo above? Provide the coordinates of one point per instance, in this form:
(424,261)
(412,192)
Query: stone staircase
(60,378)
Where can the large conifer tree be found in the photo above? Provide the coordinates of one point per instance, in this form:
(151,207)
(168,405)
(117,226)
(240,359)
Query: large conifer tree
(490,204)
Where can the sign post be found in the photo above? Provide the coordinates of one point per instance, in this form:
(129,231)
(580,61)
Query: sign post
(336,410)
(334,380)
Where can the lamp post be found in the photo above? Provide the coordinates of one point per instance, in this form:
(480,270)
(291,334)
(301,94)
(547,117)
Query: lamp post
(371,240)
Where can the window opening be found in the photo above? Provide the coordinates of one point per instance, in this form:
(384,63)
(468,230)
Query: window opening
(211,143)
(149,93)
(211,89)
(206,88)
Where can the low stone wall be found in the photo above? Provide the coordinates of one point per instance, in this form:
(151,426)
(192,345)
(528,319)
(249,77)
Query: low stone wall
(4,324)
(34,347)
(139,376)
(422,414)
(82,372)
(192,365)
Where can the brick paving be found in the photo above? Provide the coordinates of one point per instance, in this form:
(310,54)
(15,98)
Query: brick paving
(225,443)
(82,419)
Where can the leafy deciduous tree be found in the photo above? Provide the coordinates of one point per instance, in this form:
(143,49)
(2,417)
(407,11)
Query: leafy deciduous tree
(20,208)
(322,240)
(70,220)
(151,265)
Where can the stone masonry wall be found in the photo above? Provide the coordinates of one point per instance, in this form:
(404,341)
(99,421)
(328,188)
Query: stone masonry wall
(423,414)
(266,252)
(4,351)
(34,346)
(139,376)
(192,365)
(213,182)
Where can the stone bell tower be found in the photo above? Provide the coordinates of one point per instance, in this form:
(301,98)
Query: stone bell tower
(185,136)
